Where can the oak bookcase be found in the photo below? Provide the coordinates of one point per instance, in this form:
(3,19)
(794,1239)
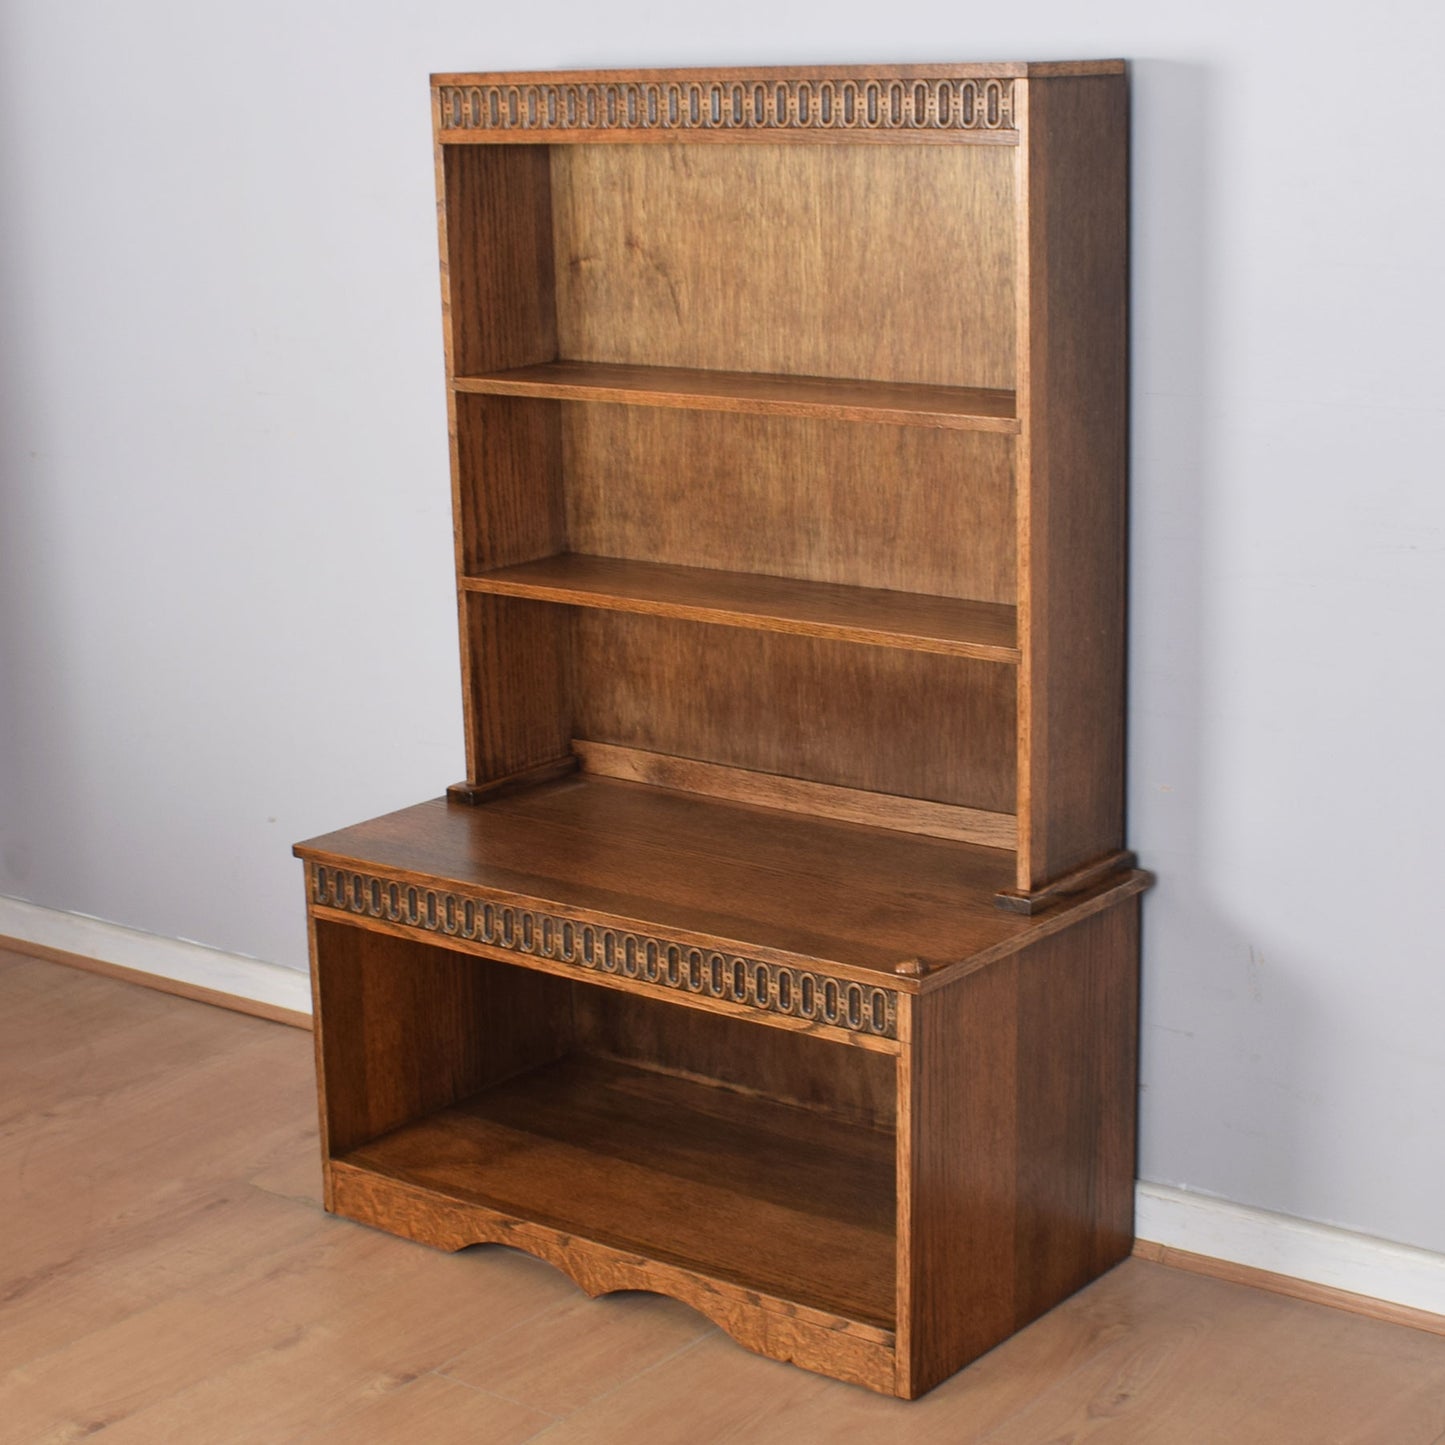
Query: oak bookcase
(779,952)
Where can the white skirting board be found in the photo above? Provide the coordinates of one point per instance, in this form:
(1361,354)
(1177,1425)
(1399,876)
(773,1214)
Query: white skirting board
(1176,1218)
(1282,1244)
(169,958)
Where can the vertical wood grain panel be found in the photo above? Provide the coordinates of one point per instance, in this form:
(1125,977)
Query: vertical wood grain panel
(963,1164)
(1077,1085)
(794,498)
(499,310)
(890,263)
(835,712)
(520,670)
(853,1084)
(1021,1139)
(509,461)
(1074,398)
(405,1029)
(498,266)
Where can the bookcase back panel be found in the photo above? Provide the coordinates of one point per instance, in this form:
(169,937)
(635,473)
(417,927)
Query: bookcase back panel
(875,718)
(879,262)
(855,1084)
(794,498)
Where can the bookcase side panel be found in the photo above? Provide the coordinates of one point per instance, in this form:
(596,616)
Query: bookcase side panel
(1072,485)
(519,656)
(509,461)
(400,1028)
(499,292)
(1020,1142)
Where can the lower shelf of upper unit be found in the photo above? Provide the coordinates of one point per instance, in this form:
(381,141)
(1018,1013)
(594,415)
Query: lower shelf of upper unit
(953,626)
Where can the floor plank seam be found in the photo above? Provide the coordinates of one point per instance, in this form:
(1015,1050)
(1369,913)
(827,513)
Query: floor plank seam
(630,1380)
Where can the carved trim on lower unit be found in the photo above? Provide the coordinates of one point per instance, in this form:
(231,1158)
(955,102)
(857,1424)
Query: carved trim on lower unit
(668,964)
(814,1339)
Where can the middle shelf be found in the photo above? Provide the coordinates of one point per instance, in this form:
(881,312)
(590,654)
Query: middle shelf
(951,626)
(957,408)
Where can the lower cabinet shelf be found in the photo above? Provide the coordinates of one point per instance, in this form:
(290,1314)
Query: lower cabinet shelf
(880,1204)
(765,1196)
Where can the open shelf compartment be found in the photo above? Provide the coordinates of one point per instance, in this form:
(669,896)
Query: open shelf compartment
(619,1118)
(952,626)
(788,1199)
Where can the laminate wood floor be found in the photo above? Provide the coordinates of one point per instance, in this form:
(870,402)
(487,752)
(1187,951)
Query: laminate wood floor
(167,1275)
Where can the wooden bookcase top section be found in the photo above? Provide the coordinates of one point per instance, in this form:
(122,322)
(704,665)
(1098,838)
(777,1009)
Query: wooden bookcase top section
(723,413)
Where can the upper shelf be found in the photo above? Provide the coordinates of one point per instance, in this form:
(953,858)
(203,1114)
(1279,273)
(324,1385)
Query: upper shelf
(958,408)
(950,625)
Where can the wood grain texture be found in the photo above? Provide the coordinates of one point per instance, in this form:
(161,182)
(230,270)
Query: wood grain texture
(518,677)
(474,793)
(828,398)
(1066,884)
(1020,1147)
(754,881)
(497,258)
(435,1408)
(674,255)
(853,1085)
(948,626)
(769,790)
(794,498)
(569,1356)
(1284,1284)
(769,1197)
(509,502)
(199,993)
(804,707)
(1073,475)
(400,1029)
(767,1324)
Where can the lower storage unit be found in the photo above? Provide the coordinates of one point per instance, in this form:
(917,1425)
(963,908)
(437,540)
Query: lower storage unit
(881,1198)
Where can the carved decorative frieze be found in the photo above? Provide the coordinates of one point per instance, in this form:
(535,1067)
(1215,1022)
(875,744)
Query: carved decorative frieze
(838,105)
(650,959)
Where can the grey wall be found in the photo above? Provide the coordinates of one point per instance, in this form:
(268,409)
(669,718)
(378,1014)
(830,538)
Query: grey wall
(225,612)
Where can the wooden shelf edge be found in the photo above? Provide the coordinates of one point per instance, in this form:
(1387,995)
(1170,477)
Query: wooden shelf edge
(781,1329)
(757,602)
(760,394)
